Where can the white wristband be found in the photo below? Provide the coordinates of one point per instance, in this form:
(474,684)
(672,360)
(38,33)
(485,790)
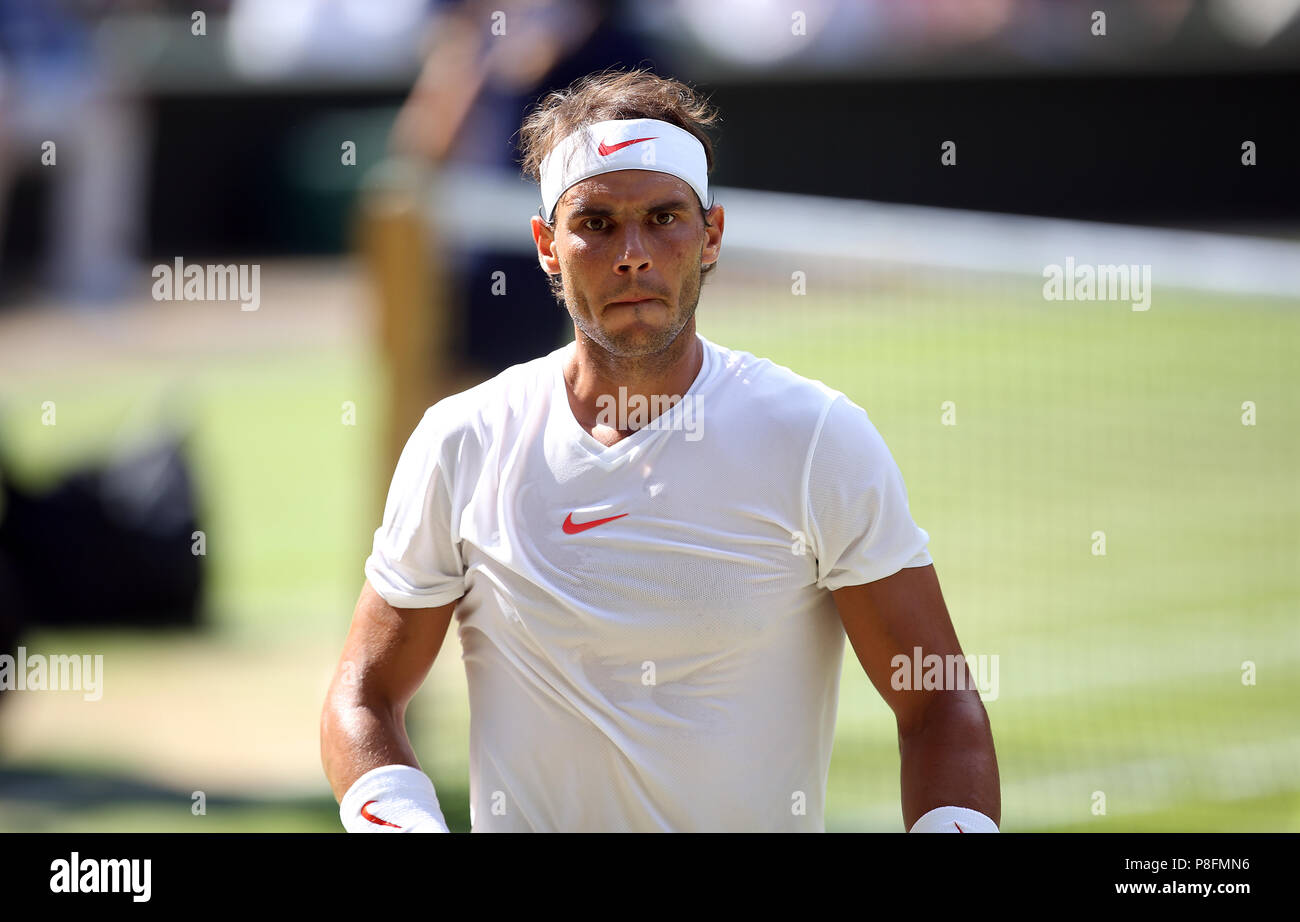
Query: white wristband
(392,798)
(954,819)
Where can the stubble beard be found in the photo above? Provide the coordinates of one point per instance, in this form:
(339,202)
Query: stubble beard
(635,348)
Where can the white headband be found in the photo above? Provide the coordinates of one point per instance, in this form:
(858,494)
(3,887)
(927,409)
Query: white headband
(624,144)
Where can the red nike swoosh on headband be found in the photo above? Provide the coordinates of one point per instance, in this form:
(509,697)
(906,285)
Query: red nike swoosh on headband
(606,149)
(572,528)
(374,819)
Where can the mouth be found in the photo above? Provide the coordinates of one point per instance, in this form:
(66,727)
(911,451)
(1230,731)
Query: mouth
(630,301)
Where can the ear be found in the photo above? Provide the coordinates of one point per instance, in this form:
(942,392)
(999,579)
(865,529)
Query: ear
(545,241)
(713,236)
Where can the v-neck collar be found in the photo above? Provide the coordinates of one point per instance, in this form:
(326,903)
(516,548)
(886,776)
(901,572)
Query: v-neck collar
(609,456)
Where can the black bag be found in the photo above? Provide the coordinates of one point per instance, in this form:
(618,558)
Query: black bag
(110,545)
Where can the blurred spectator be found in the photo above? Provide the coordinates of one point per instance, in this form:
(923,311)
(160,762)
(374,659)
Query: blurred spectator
(320,40)
(55,87)
(466,109)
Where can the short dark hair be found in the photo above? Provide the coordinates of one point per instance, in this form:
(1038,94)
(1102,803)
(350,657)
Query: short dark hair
(610,94)
(607,95)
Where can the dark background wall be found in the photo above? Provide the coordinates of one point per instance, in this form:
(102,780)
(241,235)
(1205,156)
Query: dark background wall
(1140,149)
(1158,149)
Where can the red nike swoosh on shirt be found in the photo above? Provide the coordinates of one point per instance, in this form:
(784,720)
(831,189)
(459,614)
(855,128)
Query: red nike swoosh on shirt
(374,819)
(606,149)
(572,528)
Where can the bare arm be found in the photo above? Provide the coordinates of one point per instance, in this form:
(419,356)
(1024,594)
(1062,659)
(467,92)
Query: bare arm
(944,739)
(387,654)
(466,56)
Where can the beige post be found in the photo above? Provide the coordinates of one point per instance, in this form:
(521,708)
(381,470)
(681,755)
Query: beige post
(398,246)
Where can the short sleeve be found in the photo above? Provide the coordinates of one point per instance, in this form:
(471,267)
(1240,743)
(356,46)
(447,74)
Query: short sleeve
(415,560)
(861,527)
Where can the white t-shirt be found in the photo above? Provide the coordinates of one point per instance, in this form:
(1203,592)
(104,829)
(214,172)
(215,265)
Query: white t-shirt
(676,666)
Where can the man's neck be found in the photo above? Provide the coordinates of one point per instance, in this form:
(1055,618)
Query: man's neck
(593,376)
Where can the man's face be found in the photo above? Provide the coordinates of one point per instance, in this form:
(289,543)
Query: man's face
(630,234)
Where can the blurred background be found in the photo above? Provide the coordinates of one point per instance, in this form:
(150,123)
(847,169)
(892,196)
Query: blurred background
(189,485)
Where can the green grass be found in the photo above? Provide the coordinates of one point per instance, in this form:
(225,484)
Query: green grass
(1118,673)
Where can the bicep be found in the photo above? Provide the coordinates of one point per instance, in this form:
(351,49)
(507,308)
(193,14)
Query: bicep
(390,650)
(891,617)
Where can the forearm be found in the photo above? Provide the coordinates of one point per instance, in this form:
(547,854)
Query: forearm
(948,759)
(359,734)
(450,81)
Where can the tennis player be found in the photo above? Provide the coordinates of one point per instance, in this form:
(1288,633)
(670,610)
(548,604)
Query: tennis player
(653,545)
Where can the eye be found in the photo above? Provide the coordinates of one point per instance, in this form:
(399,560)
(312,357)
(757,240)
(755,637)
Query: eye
(587,224)
(665,214)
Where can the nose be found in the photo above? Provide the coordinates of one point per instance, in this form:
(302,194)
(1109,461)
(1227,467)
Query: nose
(635,256)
